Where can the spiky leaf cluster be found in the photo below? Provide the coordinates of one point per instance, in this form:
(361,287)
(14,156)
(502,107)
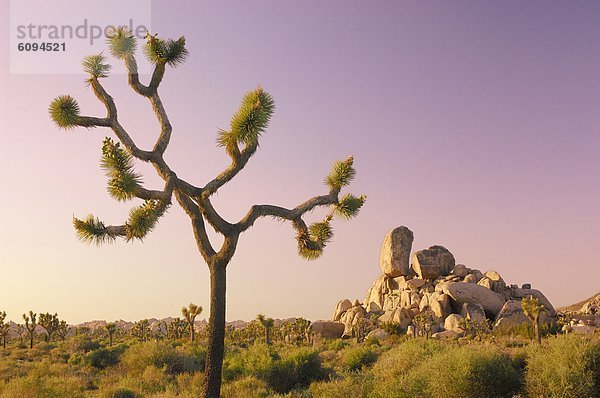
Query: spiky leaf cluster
(250,121)
(342,173)
(122,43)
(349,205)
(191,312)
(321,231)
(171,52)
(117,162)
(531,307)
(92,230)
(143,219)
(96,66)
(64,111)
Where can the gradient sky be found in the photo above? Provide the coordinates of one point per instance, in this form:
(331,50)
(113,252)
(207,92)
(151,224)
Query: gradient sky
(475,124)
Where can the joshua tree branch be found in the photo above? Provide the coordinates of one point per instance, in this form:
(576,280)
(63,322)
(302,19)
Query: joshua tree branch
(134,80)
(237,164)
(193,211)
(294,214)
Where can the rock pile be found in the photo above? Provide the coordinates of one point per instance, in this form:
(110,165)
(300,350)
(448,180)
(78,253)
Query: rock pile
(430,282)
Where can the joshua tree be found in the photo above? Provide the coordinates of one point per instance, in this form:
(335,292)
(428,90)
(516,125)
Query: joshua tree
(176,328)
(190,314)
(533,310)
(20,329)
(267,324)
(111,328)
(30,325)
(50,323)
(240,142)
(140,329)
(424,321)
(63,330)
(3,328)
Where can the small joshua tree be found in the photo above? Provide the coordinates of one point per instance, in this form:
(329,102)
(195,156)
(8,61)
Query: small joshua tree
(176,328)
(240,142)
(140,329)
(50,323)
(189,314)
(3,328)
(63,330)
(111,328)
(30,325)
(267,324)
(533,310)
(424,321)
(20,329)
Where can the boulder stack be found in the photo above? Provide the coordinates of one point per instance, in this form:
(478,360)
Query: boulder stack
(450,295)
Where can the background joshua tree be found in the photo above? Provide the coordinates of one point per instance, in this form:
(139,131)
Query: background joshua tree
(189,314)
(20,329)
(176,328)
(267,324)
(50,323)
(240,141)
(3,328)
(111,328)
(533,310)
(30,325)
(63,330)
(140,329)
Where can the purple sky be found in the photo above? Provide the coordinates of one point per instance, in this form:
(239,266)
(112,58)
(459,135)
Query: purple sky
(475,124)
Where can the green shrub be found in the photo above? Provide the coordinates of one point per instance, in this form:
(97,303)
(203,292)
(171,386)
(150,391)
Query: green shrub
(162,355)
(103,357)
(565,366)
(354,384)
(297,369)
(245,387)
(121,393)
(358,357)
(336,345)
(472,373)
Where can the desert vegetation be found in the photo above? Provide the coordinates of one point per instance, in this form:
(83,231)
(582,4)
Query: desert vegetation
(163,361)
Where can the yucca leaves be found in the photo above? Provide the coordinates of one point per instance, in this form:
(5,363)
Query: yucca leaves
(64,111)
(250,121)
(171,52)
(122,43)
(349,205)
(118,165)
(143,219)
(92,230)
(96,66)
(342,173)
(321,231)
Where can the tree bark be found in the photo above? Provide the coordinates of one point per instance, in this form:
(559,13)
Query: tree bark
(216,331)
(31,341)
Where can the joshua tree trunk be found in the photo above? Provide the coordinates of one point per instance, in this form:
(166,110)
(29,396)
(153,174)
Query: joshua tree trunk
(216,331)
(31,340)
(536,329)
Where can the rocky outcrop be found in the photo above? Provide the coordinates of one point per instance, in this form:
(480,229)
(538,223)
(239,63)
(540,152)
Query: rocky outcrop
(434,287)
(395,252)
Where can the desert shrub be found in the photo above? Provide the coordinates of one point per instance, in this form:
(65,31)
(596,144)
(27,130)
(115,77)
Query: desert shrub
(354,384)
(400,359)
(81,344)
(34,386)
(565,366)
(372,341)
(245,387)
(162,355)
(103,357)
(336,345)
(358,357)
(296,369)
(475,373)
(392,328)
(121,392)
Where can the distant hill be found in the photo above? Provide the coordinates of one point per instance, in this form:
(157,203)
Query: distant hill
(590,305)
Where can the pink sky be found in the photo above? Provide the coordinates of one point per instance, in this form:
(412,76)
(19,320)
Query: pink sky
(475,124)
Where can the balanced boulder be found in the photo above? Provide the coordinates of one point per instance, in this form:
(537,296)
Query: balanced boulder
(395,252)
(433,262)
